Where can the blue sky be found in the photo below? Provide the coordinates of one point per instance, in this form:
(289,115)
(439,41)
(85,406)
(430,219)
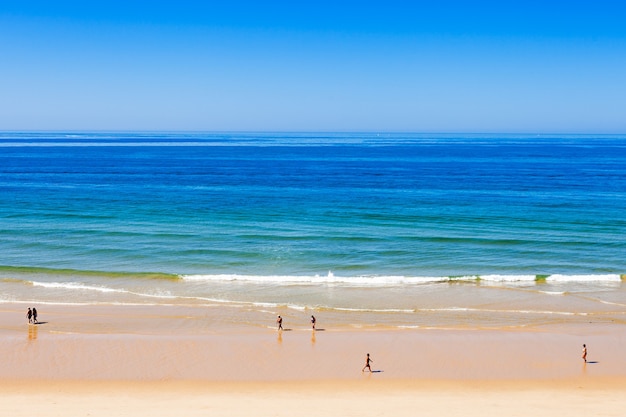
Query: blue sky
(447,66)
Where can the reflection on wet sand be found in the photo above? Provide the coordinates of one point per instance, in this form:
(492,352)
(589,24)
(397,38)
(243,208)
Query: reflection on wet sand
(32,332)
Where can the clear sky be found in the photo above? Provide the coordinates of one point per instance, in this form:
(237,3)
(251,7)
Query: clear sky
(424,66)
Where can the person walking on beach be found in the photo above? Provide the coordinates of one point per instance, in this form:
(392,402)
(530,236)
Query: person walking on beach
(35,315)
(29,314)
(279,320)
(585,353)
(313,322)
(368,360)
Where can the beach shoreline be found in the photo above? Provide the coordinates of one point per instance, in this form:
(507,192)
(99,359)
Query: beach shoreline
(107,342)
(100,361)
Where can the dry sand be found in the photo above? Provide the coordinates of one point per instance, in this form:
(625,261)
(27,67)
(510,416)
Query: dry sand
(167,361)
(324,398)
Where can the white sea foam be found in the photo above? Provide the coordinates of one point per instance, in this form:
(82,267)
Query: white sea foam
(509,278)
(371,310)
(368,280)
(584,278)
(76,286)
(265,305)
(485,310)
(553,292)
(454,309)
(384,280)
(161,295)
(612,303)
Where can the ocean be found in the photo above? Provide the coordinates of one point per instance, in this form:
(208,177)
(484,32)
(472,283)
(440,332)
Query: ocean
(362,229)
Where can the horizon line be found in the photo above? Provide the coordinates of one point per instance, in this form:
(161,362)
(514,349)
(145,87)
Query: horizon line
(385,132)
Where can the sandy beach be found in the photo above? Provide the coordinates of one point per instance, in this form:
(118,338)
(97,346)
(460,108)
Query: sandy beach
(393,398)
(159,360)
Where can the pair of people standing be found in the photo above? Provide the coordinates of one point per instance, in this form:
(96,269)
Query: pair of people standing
(279,321)
(32,316)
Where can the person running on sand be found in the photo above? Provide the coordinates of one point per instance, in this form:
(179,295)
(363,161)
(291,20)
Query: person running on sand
(585,353)
(279,320)
(313,322)
(368,360)
(29,314)
(35,316)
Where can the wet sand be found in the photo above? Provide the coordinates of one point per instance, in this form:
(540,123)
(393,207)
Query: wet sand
(164,360)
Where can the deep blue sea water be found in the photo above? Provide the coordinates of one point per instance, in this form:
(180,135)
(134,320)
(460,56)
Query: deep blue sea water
(305,204)
(361,229)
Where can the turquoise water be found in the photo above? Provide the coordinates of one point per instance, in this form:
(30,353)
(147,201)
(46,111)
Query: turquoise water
(212,216)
